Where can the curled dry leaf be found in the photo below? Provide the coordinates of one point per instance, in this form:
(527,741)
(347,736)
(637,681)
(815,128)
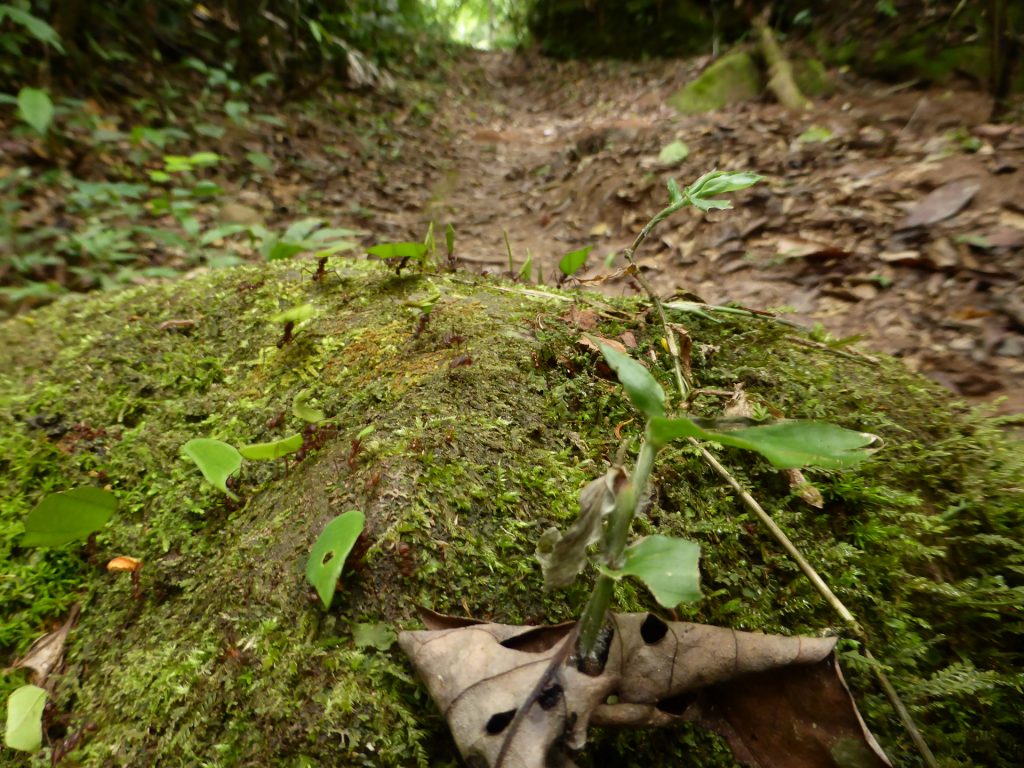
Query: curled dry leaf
(46,654)
(513,697)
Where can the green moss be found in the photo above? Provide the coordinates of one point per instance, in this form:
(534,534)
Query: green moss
(812,78)
(228,659)
(731,79)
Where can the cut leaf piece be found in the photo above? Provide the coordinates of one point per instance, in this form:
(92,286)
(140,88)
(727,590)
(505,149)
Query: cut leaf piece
(377,635)
(786,444)
(303,410)
(571,263)
(216,460)
(68,516)
(25,718)
(673,154)
(641,387)
(398,251)
(668,566)
(272,450)
(328,555)
(295,314)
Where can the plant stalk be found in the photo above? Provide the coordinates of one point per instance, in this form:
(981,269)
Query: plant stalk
(627,503)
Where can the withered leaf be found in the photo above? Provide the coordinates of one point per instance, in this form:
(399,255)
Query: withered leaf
(47,653)
(941,203)
(777,700)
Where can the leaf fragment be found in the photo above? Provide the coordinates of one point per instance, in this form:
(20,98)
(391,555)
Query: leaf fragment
(216,460)
(24,730)
(68,516)
(329,552)
(668,566)
(573,261)
(272,450)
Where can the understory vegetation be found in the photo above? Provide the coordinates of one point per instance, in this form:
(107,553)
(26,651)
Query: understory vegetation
(296,426)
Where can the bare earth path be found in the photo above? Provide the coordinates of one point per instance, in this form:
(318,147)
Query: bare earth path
(891,213)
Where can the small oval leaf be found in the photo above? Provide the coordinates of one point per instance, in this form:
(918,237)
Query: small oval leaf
(667,566)
(68,516)
(272,450)
(327,557)
(216,460)
(25,718)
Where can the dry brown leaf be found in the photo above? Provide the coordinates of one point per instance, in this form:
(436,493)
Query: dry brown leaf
(941,203)
(46,654)
(513,697)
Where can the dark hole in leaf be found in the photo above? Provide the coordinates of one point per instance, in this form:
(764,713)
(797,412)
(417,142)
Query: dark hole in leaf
(653,629)
(499,722)
(677,705)
(550,696)
(538,640)
(559,753)
(328,556)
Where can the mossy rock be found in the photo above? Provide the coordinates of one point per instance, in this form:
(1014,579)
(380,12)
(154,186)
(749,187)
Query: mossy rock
(812,78)
(731,79)
(486,424)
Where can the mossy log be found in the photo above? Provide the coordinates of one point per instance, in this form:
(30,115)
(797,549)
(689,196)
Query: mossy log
(487,421)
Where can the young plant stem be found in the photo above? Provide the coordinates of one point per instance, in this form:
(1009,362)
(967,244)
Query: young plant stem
(813,576)
(627,502)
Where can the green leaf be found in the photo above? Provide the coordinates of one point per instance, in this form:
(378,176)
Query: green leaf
(303,410)
(35,26)
(449,239)
(36,109)
(674,153)
(301,229)
(25,718)
(295,314)
(261,160)
(282,249)
(272,450)
(668,566)
(398,251)
(68,516)
(216,460)
(327,557)
(236,110)
(377,635)
(675,197)
(574,260)
(203,159)
(721,182)
(814,135)
(786,444)
(527,269)
(641,387)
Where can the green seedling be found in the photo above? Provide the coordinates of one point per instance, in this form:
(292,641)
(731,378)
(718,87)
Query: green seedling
(217,460)
(449,243)
(328,555)
(667,566)
(273,450)
(24,730)
(68,516)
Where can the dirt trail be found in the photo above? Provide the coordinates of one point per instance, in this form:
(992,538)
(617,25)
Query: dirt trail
(891,213)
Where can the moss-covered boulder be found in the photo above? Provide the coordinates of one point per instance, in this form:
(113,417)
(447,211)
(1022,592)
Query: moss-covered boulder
(487,421)
(731,79)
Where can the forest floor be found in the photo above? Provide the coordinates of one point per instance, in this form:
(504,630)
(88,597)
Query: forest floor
(889,213)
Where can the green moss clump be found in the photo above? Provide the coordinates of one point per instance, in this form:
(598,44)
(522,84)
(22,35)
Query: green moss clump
(731,79)
(486,425)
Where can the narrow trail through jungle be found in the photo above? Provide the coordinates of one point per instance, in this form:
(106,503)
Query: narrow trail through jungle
(888,213)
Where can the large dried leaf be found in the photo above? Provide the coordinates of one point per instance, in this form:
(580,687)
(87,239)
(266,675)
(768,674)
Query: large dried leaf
(941,203)
(514,698)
